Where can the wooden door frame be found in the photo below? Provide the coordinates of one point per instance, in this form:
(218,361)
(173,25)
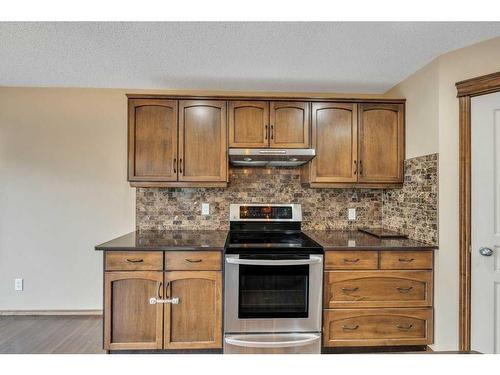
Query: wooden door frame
(467,89)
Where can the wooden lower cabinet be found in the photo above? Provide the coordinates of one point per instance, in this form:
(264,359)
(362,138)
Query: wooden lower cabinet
(377,327)
(378,298)
(130,322)
(196,321)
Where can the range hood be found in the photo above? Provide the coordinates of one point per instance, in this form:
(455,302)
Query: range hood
(270,157)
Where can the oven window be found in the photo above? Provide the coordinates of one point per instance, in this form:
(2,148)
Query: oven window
(273,291)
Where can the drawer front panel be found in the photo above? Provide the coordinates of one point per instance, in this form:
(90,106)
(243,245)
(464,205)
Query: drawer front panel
(378,289)
(401,260)
(193,260)
(134,261)
(355,260)
(368,327)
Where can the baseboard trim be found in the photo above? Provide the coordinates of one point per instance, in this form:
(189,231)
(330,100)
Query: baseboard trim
(50,312)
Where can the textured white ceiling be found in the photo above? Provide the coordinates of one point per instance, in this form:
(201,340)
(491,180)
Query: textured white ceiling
(335,57)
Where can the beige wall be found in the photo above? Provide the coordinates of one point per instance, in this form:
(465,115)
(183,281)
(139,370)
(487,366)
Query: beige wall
(421,90)
(63,190)
(469,62)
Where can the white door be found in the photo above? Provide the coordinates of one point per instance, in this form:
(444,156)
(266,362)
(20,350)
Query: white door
(485,212)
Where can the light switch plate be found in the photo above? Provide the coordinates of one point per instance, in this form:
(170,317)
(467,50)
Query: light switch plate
(351,214)
(18,284)
(205,209)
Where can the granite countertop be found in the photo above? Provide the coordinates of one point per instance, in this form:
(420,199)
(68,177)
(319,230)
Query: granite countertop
(355,240)
(172,240)
(168,240)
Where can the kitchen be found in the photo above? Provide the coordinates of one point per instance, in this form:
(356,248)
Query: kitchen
(256,163)
(193,198)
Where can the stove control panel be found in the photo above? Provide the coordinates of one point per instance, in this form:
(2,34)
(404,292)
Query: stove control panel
(265,212)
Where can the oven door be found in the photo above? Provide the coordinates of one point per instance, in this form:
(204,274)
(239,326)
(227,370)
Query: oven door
(273,293)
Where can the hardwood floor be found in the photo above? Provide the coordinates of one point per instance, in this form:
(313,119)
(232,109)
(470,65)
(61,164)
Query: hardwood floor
(51,334)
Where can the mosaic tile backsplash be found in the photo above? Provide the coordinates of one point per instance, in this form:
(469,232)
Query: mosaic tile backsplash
(414,208)
(176,208)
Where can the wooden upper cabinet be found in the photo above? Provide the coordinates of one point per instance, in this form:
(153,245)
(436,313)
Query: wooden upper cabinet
(196,321)
(202,140)
(289,124)
(248,124)
(152,127)
(381,143)
(130,322)
(334,137)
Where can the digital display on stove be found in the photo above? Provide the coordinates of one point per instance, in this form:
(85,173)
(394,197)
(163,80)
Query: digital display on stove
(265,212)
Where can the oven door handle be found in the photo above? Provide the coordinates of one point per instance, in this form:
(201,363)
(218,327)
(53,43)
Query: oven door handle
(278,262)
(271,344)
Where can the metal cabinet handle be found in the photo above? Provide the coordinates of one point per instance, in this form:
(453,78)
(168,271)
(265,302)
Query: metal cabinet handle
(406,260)
(135,260)
(355,167)
(159,300)
(361,168)
(175,165)
(272,131)
(405,327)
(350,328)
(159,290)
(347,290)
(193,260)
(346,260)
(404,290)
(265,133)
(155,301)
(181,165)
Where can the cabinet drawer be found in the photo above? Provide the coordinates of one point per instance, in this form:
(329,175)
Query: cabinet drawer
(404,260)
(360,260)
(378,289)
(134,261)
(192,260)
(374,327)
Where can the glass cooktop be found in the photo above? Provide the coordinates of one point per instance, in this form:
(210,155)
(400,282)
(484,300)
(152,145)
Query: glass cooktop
(271,240)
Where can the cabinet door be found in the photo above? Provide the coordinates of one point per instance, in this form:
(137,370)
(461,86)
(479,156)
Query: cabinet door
(248,124)
(130,322)
(290,124)
(335,139)
(381,142)
(152,140)
(202,140)
(196,321)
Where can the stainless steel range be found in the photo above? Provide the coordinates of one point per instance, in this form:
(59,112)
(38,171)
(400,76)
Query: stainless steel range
(273,282)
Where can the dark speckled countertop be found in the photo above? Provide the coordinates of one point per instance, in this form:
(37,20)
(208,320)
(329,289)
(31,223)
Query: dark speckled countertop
(168,240)
(216,239)
(354,240)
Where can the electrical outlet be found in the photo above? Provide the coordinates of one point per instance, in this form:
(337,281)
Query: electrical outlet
(351,214)
(18,284)
(205,209)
